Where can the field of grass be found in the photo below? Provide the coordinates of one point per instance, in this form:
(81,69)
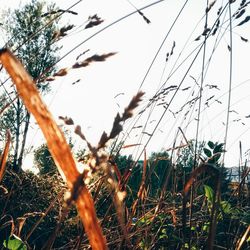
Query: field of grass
(183,197)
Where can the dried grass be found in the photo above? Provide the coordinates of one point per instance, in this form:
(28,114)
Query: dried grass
(4,156)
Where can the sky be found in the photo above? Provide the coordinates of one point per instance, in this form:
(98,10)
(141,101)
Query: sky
(106,88)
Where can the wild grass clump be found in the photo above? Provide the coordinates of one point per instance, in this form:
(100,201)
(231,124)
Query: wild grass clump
(34,203)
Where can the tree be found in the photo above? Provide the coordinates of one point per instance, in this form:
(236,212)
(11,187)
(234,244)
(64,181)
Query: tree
(30,35)
(211,153)
(186,161)
(43,160)
(159,169)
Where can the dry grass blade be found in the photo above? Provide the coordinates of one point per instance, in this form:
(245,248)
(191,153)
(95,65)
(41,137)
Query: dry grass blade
(201,169)
(244,21)
(67,120)
(244,39)
(209,7)
(7,224)
(93,21)
(117,172)
(53,12)
(44,214)
(20,223)
(131,145)
(57,145)
(128,112)
(240,243)
(144,17)
(85,63)
(4,156)
(103,140)
(94,58)
(177,148)
(21,220)
(62,72)
(78,131)
(3,190)
(83,53)
(118,200)
(117,127)
(142,190)
(62,32)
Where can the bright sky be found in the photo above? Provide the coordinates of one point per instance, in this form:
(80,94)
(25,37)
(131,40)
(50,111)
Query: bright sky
(91,103)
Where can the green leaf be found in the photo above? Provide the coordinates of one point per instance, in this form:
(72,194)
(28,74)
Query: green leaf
(207,152)
(211,144)
(226,207)
(14,243)
(218,148)
(163,236)
(214,158)
(209,193)
(217,157)
(205,227)
(143,221)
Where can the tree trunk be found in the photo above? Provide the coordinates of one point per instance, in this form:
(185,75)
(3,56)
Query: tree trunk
(27,122)
(17,136)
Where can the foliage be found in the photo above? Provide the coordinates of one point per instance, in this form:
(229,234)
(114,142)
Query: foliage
(7,120)
(213,155)
(29,197)
(30,36)
(35,194)
(31,41)
(124,162)
(186,155)
(14,243)
(158,167)
(44,161)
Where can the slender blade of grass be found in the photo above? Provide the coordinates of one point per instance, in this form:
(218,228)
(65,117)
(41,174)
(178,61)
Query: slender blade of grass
(4,156)
(243,238)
